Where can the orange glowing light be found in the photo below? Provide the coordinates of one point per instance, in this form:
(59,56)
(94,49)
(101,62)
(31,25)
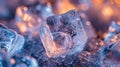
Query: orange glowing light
(22,27)
(97,2)
(83,7)
(26,21)
(114,39)
(111,29)
(12,61)
(88,23)
(26,17)
(20,10)
(117,2)
(118,22)
(107,11)
(25,8)
(64,6)
(104,35)
(30,25)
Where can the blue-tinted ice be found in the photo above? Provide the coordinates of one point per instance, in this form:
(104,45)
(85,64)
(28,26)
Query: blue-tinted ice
(4,62)
(25,61)
(112,48)
(63,34)
(113,30)
(10,41)
(110,55)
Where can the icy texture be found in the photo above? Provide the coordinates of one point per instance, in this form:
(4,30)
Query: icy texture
(25,61)
(4,62)
(115,41)
(110,53)
(90,56)
(113,30)
(113,37)
(10,41)
(63,34)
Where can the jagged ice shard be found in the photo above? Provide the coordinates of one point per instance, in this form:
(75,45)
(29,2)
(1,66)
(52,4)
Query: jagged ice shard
(63,34)
(10,41)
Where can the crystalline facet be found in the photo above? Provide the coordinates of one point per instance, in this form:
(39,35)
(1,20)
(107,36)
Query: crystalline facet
(116,45)
(25,61)
(10,41)
(113,30)
(110,54)
(63,34)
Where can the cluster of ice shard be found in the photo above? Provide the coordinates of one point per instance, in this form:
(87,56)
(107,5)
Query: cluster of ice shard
(10,41)
(63,34)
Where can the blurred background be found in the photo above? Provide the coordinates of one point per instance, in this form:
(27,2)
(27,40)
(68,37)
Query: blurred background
(100,13)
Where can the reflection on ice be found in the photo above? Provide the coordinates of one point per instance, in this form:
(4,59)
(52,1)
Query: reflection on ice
(10,41)
(63,34)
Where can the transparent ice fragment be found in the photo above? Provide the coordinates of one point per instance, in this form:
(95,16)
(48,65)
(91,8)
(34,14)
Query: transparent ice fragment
(113,30)
(25,61)
(63,34)
(111,52)
(116,45)
(10,41)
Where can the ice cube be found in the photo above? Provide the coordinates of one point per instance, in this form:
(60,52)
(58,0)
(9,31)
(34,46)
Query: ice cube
(63,34)
(10,41)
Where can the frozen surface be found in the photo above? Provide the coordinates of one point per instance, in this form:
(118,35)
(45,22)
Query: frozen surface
(10,41)
(25,61)
(114,29)
(112,54)
(4,62)
(63,34)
